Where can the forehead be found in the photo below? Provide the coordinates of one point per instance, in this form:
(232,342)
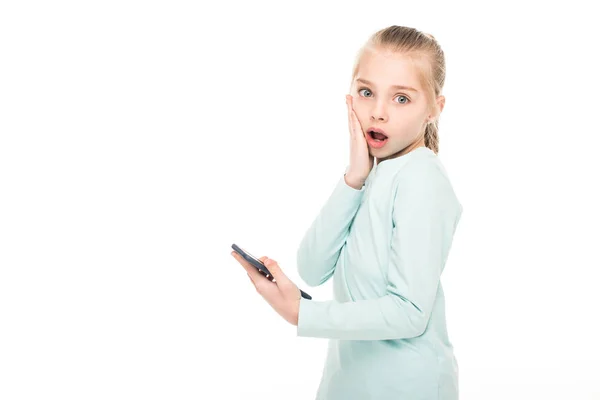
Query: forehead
(386,69)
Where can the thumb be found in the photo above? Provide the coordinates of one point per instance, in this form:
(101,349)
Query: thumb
(275,269)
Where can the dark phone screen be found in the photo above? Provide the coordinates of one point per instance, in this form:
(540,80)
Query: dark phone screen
(250,255)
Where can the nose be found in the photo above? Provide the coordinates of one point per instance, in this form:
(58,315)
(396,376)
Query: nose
(378,113)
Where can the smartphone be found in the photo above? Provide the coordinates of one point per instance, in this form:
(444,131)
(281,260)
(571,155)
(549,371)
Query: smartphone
(260,266)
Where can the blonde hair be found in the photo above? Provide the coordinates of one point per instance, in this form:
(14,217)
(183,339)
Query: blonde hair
(426,54)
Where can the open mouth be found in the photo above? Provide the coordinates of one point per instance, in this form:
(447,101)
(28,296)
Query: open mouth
(379,137)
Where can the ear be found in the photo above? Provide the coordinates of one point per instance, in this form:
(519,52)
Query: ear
(440,102)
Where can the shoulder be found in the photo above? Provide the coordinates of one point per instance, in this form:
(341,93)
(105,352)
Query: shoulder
(423,178)
(421,169)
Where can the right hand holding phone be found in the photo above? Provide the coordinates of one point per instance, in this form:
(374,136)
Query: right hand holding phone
(361,161)
(281,293)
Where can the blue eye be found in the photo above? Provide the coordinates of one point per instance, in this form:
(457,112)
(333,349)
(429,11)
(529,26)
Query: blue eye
(359,90)
(402,102)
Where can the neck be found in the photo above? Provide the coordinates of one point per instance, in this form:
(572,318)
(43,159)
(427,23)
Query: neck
(406,150)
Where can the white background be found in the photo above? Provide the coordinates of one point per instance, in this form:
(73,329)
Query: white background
(139,140)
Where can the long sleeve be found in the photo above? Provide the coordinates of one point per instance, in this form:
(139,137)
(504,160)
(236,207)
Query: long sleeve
(425,215)
(320,247)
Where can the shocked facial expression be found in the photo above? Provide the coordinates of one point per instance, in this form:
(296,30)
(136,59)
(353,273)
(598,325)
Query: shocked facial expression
(388,99)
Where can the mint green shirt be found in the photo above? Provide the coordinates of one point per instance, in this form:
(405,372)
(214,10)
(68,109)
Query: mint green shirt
(385,246)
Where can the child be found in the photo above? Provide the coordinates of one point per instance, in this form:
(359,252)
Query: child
(383,236)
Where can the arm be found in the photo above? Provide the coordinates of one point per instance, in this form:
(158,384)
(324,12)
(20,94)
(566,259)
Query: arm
(320,248)
(425,215)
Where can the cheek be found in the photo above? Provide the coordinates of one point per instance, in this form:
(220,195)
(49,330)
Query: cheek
(409,122)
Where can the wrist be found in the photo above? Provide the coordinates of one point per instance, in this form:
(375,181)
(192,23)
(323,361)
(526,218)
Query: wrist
(353,182)
(296,312)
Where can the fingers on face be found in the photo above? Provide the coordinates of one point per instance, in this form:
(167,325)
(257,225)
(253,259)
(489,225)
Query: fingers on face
(350,124)
(356,122)
(353,121)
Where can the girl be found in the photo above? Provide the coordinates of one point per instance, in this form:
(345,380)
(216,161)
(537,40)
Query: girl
(383,235)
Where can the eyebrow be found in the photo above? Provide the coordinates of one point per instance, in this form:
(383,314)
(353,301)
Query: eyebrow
(366,82)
